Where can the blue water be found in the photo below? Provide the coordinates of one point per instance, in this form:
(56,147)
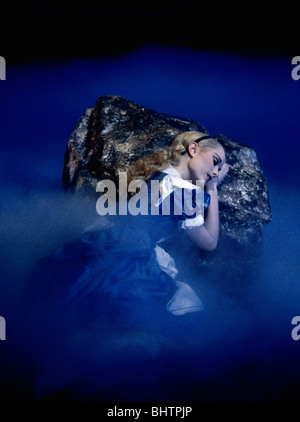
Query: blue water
(245,350)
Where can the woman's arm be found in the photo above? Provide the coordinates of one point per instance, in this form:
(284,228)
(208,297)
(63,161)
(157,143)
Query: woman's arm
(206,236)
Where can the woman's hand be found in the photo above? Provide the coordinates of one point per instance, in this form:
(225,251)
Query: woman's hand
(206,236)
(222,173)
(215,181)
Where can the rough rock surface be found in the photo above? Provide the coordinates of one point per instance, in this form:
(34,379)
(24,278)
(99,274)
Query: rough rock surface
(112,135)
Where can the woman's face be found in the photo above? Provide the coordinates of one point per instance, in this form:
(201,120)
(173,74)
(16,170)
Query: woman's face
(206,163)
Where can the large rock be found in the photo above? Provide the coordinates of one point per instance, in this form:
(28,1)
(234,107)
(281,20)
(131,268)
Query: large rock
(112,135)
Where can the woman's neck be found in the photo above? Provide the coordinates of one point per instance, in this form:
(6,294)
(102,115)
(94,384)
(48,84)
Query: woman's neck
(185,174)
(183,170)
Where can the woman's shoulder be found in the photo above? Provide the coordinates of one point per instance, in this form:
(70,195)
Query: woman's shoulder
(170,182)
(171,195)
(158,175)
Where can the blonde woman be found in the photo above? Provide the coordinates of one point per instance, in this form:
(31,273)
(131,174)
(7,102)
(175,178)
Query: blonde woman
(198,158)
(187,173)
(180,190)
(130,290)
(127,264)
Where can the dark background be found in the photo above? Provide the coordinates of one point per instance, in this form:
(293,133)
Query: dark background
(247,94)
(57,30)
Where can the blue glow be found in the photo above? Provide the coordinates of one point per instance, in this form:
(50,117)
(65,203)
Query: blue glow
(241,348)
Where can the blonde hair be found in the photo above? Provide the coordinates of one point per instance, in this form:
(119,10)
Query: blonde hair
(145,167)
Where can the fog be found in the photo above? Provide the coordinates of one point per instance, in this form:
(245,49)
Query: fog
(240,347)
